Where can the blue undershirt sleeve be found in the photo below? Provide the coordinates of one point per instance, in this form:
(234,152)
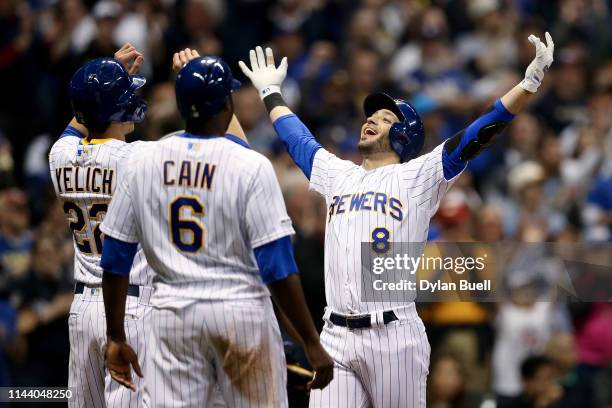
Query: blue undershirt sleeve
(300,143)
(117,256)
(275,260)
(454,159)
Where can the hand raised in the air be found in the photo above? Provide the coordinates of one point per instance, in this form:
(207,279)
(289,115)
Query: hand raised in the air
(264,74)
(130,58)
(183,57)
(534,75)
(120,358)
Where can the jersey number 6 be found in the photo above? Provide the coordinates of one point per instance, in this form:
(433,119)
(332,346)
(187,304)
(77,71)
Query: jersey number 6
(192,227)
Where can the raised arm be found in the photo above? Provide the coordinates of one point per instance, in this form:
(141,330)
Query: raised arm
(466,145)
(267,79)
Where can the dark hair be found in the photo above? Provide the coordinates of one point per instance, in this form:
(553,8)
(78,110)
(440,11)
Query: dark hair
(204,124)
(531,365)
(97,128)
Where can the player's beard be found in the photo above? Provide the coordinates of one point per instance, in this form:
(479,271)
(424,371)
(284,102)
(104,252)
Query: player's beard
(379,145)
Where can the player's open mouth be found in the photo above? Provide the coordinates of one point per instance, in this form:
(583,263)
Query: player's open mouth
(370,132)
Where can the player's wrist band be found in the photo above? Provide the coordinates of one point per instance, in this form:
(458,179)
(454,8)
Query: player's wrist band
(273,100)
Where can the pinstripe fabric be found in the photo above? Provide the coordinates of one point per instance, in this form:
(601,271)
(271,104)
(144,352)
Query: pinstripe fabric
(69,153)
(201,344)
(379,367)
(242,209)
(72,165)
(87,332)
(382,366)
(213,326)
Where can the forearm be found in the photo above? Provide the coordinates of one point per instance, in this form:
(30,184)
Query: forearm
(289,297)
(279,111)
(468,143)
(117,259)
(286,325)
(516,99)
(279,271)
(114,291)
(299,141)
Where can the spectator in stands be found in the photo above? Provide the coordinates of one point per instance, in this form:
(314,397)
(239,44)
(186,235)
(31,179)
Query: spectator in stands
(540,389)
(16,239)
(46,295)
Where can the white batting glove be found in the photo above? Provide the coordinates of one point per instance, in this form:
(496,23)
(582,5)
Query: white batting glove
(264,75)
(534,75)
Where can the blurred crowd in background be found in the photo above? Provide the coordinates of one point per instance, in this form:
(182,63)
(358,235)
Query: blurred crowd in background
(547,178)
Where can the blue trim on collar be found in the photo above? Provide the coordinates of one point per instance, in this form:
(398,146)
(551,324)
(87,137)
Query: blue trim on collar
(228,136)
(193,136)
(70,131)
(238,140)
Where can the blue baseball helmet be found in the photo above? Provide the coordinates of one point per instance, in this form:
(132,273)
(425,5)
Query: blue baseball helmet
(406,136)
(202,87)
(102,91)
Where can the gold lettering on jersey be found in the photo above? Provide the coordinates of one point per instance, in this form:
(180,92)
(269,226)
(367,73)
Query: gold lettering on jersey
(181,174)
(98,180)
(185,174)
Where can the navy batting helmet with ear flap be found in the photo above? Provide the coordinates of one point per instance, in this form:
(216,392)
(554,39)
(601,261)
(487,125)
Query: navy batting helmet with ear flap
(202,87)
(406,136)
(102,91)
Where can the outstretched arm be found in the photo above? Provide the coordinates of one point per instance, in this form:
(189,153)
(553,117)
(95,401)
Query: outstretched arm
(466,145)
(267,79)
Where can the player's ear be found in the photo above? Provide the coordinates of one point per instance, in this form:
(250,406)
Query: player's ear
(229,102)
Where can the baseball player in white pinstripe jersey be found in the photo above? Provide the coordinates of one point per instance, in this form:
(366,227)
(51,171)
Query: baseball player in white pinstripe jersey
(209,214)
(86,164)
(380,349)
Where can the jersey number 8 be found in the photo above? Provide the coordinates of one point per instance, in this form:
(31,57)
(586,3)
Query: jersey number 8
(380,240)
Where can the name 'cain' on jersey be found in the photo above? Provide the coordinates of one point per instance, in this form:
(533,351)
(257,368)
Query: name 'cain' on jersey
(85,177)
(392,203)
(198,206)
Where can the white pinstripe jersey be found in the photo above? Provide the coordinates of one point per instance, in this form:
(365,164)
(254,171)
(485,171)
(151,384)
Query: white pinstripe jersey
(399,198)
(198,206)
(85,177)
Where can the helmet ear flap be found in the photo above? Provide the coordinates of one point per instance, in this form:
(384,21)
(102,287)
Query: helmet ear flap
(134,108)
(399,140)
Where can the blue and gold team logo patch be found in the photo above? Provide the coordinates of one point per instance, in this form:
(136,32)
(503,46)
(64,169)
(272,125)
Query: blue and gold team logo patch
(193,146)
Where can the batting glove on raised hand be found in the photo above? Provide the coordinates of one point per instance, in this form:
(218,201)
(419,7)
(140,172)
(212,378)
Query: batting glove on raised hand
(534,75)
(265,76)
